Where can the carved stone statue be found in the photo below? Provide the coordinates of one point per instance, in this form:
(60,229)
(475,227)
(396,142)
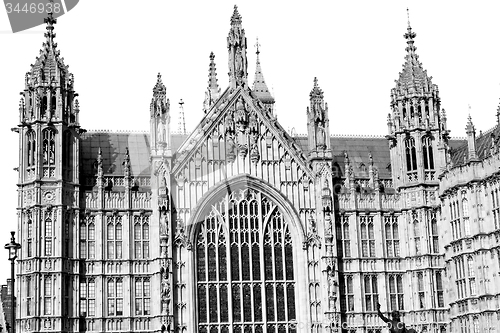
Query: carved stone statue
(238,63)
(395,324)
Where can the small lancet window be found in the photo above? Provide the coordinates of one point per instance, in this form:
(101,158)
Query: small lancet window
(49,147)
(53,103)
(31,148)
(427,152)
(44,104)
(411,154)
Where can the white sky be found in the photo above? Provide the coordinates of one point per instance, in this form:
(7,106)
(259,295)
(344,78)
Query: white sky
(115,48)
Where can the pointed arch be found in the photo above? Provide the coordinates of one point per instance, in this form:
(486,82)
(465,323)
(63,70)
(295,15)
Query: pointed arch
(411,154)
(31,148)
(427,153)
(49,147)
(239,182)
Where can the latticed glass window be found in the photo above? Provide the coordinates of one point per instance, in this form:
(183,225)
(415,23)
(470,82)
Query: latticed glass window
(439,290)
(427,153)
(472,275)
(371,292)
(49,147)
(434,233)
(141,237)
(411,154)
(87,297)
(396,292)
(31,148)
(47,293)
(115,297)
(367,236)
(29,296)
(421,290)
(391,235)
(48,236)
(416,234)
(347,301)
(114,237)
(460,281)
(456,225)
(87,238)
(496,208)
(142,296)
(245,272)
(346,239)
(30,237)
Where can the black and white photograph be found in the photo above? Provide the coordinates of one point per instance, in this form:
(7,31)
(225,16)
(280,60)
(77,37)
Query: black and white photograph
(250,166)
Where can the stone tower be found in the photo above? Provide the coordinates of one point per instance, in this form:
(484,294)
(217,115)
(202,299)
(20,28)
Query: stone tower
(48,193)
(418,142)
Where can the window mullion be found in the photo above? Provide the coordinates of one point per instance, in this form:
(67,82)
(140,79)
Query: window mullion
(262,264)
(228,268)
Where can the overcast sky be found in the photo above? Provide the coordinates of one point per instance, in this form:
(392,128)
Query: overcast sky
(115,48)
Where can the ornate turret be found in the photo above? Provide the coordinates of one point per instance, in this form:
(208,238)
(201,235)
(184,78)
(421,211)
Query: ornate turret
(415,100)
(160,117)
(417,133)
(213,90)
(259,84)
(317,123)
(48,95)
(237,49)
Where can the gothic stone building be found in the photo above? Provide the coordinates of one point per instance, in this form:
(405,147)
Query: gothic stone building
(241,227)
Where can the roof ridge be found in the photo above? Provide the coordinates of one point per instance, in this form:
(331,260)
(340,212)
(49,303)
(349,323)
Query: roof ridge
(116,131)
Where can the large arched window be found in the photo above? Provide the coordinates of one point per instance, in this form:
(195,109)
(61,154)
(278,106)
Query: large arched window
(245,268)
(427,152)
(411,154)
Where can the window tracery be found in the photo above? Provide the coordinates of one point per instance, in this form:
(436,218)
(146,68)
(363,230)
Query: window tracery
(411,155)
(427,153)
(141,237)
(245,269)
(31,148)
(114,237)
(48,236)
(87,238)
(392,235)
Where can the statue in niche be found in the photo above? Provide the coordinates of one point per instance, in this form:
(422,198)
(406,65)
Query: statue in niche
(321,137)
(163,222)
(161,131)
(238,63)
(395,324)
(312,226)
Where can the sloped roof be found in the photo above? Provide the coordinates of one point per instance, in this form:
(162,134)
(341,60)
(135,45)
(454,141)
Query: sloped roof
(358,149)
(113,146)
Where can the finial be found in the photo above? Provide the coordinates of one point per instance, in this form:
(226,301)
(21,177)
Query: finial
(315,81)
(182,121)
(408,15)
(236,18)
(410,35)
(257,45)
(212,56)
(50,21)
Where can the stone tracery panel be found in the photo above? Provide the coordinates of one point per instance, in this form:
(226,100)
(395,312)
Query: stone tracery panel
(245,267)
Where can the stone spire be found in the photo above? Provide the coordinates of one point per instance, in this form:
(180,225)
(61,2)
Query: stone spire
(471,139)
(237,49)
(213,91)
(160,119)
(318,128)
(159,102)
(259,84)
(182,121)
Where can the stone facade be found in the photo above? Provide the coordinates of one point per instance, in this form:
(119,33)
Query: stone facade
(240,226)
